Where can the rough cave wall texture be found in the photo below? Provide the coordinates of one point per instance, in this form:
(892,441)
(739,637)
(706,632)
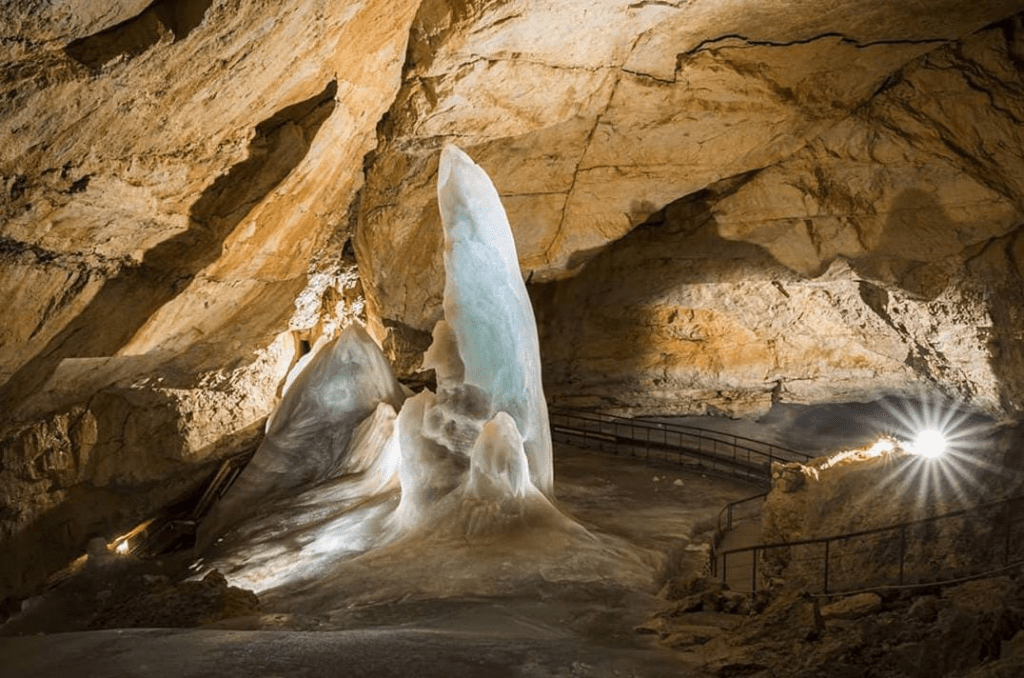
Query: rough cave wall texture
(860,491)
(718,204)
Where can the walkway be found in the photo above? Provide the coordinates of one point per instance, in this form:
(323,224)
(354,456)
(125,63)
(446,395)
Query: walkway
(738,569)
(704,449)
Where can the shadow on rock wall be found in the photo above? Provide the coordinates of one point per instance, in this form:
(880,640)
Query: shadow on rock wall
(129,298)
(136,35)
(998,265)
(921,251)
(94,471)
(613,331)
(914,247)
(666,318)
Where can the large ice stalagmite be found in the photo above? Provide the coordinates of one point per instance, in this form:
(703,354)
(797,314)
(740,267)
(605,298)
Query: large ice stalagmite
(332,391)
(357,494)
(488,309)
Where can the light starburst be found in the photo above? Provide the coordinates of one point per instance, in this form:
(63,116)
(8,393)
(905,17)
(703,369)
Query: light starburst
(947,440)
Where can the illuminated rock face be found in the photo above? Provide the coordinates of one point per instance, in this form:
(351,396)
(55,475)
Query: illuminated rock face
(889,215)
(172,172)
(677,319)
(860,133)
(168,174)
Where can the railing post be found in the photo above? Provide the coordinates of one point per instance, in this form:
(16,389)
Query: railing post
(1009,525)
(728,522)
(753,571)
(825,585)
(903,550)
(725,567)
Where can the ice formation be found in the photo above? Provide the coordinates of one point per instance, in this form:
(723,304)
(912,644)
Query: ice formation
(487,307)
(328,393)
(352,474)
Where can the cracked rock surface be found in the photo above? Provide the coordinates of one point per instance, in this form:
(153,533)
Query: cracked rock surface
(718,206)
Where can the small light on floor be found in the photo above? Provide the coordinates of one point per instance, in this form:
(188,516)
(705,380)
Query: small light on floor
(930,444)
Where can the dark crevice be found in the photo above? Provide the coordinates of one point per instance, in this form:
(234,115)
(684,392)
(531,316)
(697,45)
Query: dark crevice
(1013,32)
(888,83)
(655,3)
(175,18)
(747,42)
(135,293)
(80,185)
(17,188)
(877,299)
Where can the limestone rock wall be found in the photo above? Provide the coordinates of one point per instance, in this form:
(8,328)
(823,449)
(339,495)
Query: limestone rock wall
(717,204)
(895,239)
(99,467)
(176,179)
(589,130)
(877,167)
(178,167)
(676,319)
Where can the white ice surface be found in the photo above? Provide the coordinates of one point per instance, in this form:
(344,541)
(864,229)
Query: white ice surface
(328,394)
(487,307)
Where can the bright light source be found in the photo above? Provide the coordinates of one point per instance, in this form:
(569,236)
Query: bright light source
(930,444)
(122,548)
(883,446)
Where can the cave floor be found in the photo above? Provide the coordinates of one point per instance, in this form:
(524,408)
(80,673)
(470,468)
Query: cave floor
(556,629)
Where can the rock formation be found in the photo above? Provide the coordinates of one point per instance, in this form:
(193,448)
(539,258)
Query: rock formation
(718,206)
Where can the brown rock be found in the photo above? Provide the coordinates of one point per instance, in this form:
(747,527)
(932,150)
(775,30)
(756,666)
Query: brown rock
(684,635)
(818,206)
(925,609)
(655,625)
(852,607)
(734,602)
(983,595)
(167,179)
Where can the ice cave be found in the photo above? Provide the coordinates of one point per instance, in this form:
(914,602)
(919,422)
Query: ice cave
(437,337)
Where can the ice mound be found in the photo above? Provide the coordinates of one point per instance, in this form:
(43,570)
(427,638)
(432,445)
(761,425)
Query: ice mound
(327,395)
(498,468)
(359,492)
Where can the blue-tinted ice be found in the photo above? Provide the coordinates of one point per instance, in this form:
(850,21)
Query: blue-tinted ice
(358,489)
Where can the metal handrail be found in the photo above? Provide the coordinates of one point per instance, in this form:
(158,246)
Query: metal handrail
(747,441)
(899,528)
(720,532)
(728,511)
(718,451)
(741,442)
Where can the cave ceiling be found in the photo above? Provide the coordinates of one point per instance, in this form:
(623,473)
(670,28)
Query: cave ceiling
(718,206)
(180,177)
